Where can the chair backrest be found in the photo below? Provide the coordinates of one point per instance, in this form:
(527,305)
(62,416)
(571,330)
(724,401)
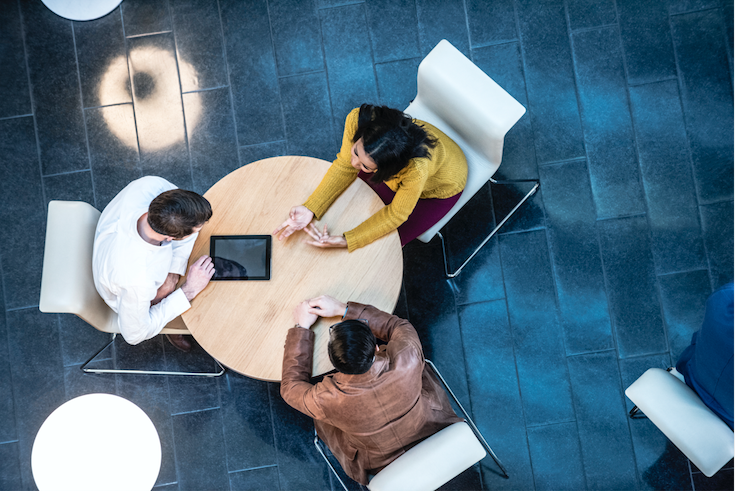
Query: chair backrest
(681,415)
(431,463)
(461,100)
(67,285)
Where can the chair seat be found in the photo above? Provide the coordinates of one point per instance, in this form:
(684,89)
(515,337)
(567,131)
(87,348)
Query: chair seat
(432,462)
(681,415)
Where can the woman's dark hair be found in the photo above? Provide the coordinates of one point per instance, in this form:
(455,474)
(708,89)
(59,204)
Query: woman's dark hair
(177,212)
(391,139)
(351,347)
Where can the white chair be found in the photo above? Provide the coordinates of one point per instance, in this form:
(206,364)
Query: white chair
(681,415)
(435,460)
(462,101)
(67,285)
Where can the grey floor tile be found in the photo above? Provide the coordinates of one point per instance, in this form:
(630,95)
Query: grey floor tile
(251,65)
(497,408)
(646,37)
(9,466)
(608,130)
(212,141)
(145,17)
(635,309)
(550,80)
(717,230)
(442,19)
(296,36)
(191,393)
(22,211)
(556,457)
(253,153)
(306,98)
(397,84)
(37,374)
(7,404)
(483,280)
(683,296)
(350,72)
(393,29)
(585,14)
(151,394)
(247,422)
(300,467)
(575,253)
(113,149)
(79,340)
(77,383)
(102,59)
(199,44)
(707,100)
(681,6)
(491,22)
(16,98)
(254,479)
(54,79)
(665,165)
(537,336)
(159,115)
(200,450)
(660,464)
(76,186)
(722,481)
(601,417)
(432,310)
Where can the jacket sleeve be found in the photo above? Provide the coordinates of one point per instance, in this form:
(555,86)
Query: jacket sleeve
(296,389)
(385,326)
(339,176)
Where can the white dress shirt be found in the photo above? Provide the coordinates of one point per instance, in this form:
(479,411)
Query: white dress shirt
(128,270)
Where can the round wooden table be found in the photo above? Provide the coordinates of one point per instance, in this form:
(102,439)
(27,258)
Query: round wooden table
(96,442)
(243,324)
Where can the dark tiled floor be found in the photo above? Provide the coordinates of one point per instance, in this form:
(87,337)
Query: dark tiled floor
(601,276)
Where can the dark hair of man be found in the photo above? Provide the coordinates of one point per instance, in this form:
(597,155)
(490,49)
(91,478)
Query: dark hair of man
(351,347)
(177,212)
(391,139)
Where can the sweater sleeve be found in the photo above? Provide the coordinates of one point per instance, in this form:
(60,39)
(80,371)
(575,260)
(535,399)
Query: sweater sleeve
(339,176)
(389,217)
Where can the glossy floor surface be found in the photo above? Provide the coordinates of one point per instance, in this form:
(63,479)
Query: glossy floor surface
(604,273)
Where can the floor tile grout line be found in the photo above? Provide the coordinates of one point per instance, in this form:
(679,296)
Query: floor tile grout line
(6,118)
(252,468)
(229,82)
(157,33)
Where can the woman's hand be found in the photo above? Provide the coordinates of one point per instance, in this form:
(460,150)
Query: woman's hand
(323,239)
(298,218)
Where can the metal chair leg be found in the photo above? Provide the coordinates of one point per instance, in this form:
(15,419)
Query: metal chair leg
(494,231)
(144,372)
(468,418)
(324,456)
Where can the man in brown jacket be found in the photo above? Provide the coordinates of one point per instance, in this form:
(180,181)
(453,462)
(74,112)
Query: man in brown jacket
(381,401)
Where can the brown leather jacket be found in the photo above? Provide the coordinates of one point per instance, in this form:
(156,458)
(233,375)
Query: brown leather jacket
(369,420)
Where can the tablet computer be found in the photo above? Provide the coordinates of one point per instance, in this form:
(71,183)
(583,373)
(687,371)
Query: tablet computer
(241,257)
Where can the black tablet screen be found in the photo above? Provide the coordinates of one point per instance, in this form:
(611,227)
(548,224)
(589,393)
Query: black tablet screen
(241,257)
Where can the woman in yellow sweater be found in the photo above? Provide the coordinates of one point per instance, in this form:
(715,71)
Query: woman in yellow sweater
(417,170)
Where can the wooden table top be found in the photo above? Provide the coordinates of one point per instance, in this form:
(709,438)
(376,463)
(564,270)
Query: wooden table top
(243,324)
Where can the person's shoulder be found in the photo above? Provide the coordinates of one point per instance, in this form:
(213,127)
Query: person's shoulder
(154,182)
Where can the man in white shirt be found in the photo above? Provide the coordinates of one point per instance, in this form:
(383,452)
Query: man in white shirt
(142,245)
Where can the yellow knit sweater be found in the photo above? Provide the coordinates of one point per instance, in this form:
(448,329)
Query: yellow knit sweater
(442,175)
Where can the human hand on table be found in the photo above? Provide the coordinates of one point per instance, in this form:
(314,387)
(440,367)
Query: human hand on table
(298,218)
(302,315)
(326,306)
(323,239)
(200,272)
